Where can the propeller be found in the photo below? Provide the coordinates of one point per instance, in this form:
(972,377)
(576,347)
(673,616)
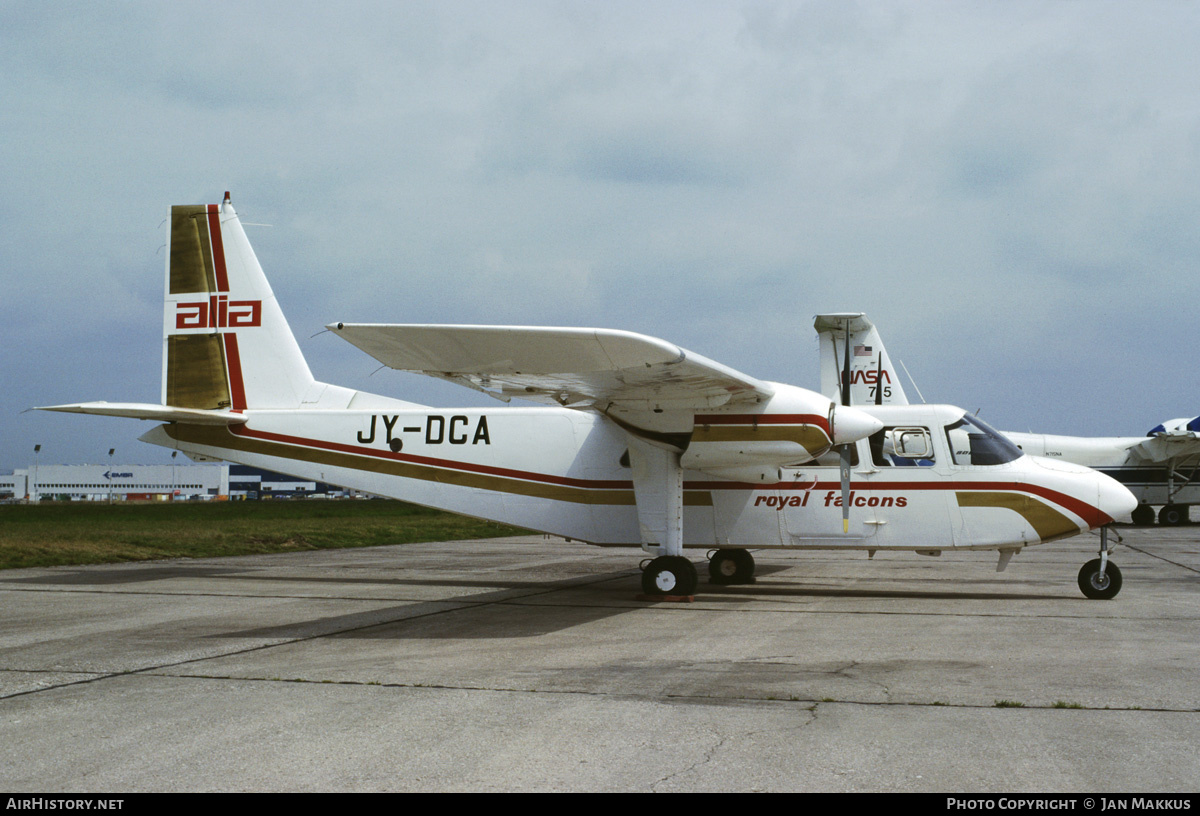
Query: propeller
(846,449)
(879,380)
(848,425)
(877,437)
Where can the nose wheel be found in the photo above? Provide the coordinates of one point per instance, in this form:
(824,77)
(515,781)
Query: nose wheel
(1097,584)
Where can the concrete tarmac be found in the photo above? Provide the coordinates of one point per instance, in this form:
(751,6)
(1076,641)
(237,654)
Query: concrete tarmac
(527,664)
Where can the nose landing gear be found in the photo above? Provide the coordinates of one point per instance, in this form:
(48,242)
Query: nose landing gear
(1099,579)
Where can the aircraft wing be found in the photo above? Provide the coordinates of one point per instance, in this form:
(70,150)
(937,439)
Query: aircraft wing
(158,413)
(562,366)
(1165,446)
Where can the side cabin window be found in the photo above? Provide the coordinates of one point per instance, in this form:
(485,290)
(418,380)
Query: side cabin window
(902,446)
(974,442)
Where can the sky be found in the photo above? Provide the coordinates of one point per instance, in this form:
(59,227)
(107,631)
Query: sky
(1009,190)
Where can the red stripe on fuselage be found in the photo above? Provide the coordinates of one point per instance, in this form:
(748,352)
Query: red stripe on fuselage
(1092,515)
(449,464)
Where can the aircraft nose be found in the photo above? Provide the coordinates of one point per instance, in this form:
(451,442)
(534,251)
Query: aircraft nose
(1114,499)
(851,424)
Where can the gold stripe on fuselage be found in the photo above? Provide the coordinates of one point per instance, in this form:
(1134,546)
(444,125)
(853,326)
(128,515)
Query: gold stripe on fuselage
(222,438)
(1047,522)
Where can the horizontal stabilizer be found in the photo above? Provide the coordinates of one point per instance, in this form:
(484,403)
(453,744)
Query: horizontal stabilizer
(562,366)
(158,413)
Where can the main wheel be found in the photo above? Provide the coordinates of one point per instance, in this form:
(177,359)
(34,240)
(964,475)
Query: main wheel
(1173,514)
(669,575)
(1143,515)
(1096,586)
(731,567)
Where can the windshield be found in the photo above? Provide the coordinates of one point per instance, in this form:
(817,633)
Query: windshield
(974,442)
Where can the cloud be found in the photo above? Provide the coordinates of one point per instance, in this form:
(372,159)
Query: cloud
(1008,189)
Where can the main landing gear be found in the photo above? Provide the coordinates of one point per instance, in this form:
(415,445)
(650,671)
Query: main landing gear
(731,567)
(1099,579)
(676,576)
(1143,515)
(670,575)
(1172,515)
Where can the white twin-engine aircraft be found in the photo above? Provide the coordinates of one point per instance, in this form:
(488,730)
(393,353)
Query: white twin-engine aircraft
(639,441)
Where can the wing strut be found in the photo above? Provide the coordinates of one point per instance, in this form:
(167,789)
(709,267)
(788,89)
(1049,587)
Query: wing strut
(658,491)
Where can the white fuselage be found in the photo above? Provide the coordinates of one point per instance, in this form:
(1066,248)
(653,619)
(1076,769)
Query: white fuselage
(566,472)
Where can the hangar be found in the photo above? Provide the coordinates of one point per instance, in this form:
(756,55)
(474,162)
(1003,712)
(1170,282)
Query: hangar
(199,482)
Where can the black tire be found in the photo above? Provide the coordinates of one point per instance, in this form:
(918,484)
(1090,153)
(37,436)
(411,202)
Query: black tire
(669,575)
(731,567)
(1096,588)
(1172,515)
(1143,515)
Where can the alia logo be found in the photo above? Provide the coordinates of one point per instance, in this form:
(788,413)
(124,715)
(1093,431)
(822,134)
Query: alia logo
(218,312)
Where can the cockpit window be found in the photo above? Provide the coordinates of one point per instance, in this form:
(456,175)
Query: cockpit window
(974,442)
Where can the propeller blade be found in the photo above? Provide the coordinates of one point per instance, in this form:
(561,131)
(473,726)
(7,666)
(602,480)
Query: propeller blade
(849,426)
(879,381)
(853,426)
(846,369)
(845,469)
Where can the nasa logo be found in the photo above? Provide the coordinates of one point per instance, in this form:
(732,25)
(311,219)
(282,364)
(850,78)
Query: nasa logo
(218,312)
(869,376)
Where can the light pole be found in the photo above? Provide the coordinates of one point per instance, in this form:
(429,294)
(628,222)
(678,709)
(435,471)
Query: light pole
(174,453)
(110,453)
(31,490)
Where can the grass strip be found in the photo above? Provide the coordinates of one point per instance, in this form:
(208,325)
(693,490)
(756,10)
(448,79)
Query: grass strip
(73,533)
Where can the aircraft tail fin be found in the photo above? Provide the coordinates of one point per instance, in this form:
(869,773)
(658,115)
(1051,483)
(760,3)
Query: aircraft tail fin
(1184,426)
(226,343)
(873,378)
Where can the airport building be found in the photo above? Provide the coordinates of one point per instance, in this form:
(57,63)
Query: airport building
(199,482)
